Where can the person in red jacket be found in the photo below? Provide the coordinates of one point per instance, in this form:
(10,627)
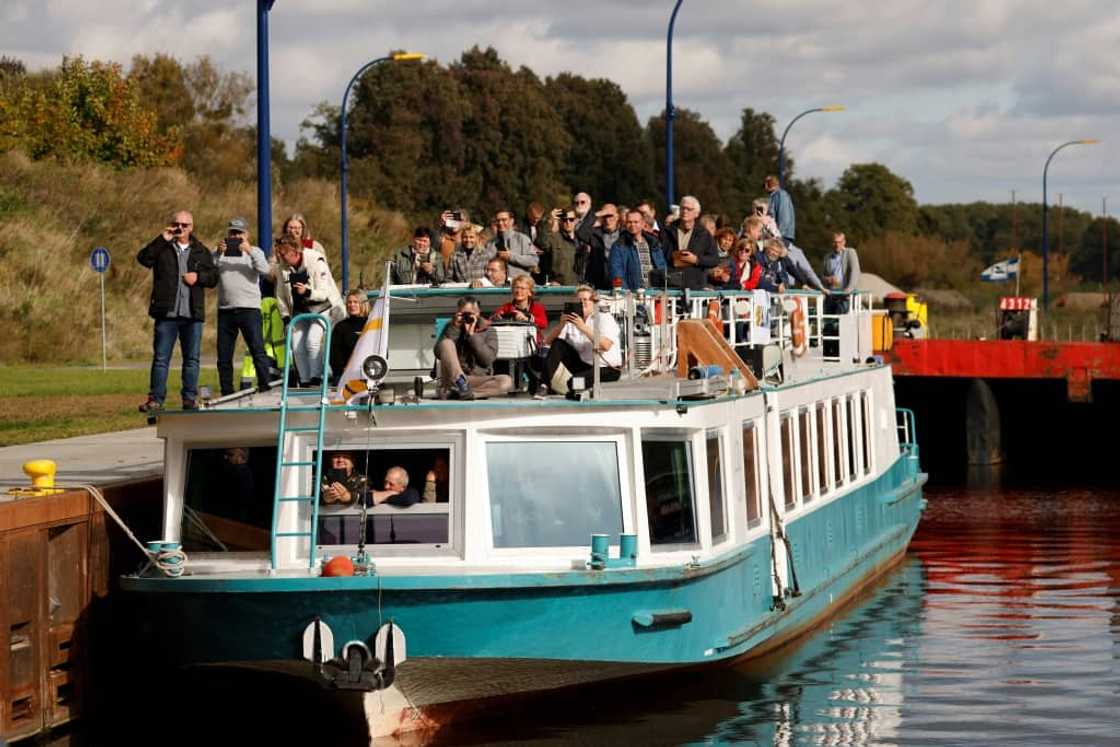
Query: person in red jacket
(522,307)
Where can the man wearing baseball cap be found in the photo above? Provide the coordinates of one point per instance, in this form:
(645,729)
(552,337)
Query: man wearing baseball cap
(240,267)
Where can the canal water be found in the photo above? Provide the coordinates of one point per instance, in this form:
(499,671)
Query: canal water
(1002,626)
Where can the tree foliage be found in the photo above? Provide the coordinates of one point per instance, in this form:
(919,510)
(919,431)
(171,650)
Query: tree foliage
(753,154)
(84,111)
(610,155)
(910,261)
(701,166)
(875,201)
(207,106)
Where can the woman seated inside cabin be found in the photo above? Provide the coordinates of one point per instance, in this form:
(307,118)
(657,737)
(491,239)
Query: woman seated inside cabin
(572,350)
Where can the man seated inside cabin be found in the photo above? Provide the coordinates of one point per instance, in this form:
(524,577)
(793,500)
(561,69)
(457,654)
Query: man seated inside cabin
(395,490)
(572,350)
(466,350)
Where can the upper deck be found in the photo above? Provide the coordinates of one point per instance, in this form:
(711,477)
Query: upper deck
(771,341)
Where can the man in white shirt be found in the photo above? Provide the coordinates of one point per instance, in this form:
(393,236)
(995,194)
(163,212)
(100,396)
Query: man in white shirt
(572,350)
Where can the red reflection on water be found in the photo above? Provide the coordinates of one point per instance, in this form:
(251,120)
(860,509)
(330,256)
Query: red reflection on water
(1032,554)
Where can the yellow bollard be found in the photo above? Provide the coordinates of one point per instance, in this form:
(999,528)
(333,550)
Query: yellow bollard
(41,472)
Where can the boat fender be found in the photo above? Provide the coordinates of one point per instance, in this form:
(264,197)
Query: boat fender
(797,331)
(340,565)
(662,618)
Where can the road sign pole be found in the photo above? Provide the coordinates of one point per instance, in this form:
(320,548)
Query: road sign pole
(104,354)
(99,261)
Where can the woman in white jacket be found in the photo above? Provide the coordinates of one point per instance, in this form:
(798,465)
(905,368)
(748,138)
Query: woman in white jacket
(304,284)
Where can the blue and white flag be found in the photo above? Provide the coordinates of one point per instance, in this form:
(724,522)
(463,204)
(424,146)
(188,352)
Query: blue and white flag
(1001,271)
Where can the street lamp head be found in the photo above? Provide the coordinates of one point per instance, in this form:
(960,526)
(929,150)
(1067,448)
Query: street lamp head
(833,108)
(1088,141)
(409,57)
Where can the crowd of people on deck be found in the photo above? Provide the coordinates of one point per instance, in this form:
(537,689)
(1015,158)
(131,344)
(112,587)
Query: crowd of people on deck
(595,249)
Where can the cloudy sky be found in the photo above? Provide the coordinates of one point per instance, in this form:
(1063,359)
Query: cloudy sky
(964,99)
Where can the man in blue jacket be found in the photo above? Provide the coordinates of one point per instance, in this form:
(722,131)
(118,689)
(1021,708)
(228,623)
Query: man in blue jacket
(181,268)
(781,207)
(635,254)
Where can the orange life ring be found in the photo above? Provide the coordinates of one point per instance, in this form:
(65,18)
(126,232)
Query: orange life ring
(797,330)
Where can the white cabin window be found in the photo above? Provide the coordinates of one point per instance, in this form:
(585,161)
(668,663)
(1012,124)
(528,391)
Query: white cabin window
(865,401)
(715,488)
(853,436)
(227,500)
(789,467)
(805,440)
(822,447)
(553,493)
(418,514)
(839,443)
(750,475)
(670,497)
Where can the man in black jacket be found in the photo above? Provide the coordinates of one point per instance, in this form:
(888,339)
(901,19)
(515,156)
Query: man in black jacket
(689,248)
(181,268)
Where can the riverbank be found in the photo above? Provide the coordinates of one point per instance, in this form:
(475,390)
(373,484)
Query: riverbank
(39,403)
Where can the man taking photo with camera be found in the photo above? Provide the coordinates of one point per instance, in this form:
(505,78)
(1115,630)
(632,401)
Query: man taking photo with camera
(466,350)
(181,268)
(240,267)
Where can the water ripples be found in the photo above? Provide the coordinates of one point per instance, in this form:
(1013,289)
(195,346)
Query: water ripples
(1002,626)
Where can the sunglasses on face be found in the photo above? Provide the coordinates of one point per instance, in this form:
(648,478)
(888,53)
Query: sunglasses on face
(180,225)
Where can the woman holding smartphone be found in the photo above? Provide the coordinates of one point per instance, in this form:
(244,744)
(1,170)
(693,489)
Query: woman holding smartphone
(304,284)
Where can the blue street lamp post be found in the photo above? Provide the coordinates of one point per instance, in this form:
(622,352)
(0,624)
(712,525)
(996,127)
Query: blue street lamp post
(1045,231)
(344,161)
(670,113)
(264,134)
(782,144)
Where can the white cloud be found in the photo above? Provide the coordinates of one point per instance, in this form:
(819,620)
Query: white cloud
(960,98)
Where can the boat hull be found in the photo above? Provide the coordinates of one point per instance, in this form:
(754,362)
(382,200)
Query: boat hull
(472,639)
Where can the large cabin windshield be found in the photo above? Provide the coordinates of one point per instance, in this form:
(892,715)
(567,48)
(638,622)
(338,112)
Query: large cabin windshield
(228,498)
(553,493)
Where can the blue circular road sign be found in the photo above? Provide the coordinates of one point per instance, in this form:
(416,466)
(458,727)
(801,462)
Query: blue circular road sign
(99,259)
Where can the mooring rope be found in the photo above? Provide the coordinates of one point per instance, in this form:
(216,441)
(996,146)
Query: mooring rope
(170,563)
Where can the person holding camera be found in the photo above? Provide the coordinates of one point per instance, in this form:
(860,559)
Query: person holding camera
(240,267)
(573,350)
(522,306)
(560,247)
(182,267)
(466,350)
(304,284)
(512,247)
(417,264)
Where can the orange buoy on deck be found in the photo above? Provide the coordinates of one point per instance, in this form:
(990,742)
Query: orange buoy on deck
(340,565)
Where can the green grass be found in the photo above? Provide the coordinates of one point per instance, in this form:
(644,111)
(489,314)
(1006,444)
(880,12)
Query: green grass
(41,403)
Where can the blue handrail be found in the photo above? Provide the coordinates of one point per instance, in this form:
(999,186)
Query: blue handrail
(311,497)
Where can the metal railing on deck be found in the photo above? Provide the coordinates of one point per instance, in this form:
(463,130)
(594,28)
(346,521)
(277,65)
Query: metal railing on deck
(907,430)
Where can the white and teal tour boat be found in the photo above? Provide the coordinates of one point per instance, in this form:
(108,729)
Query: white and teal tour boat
(652,523)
